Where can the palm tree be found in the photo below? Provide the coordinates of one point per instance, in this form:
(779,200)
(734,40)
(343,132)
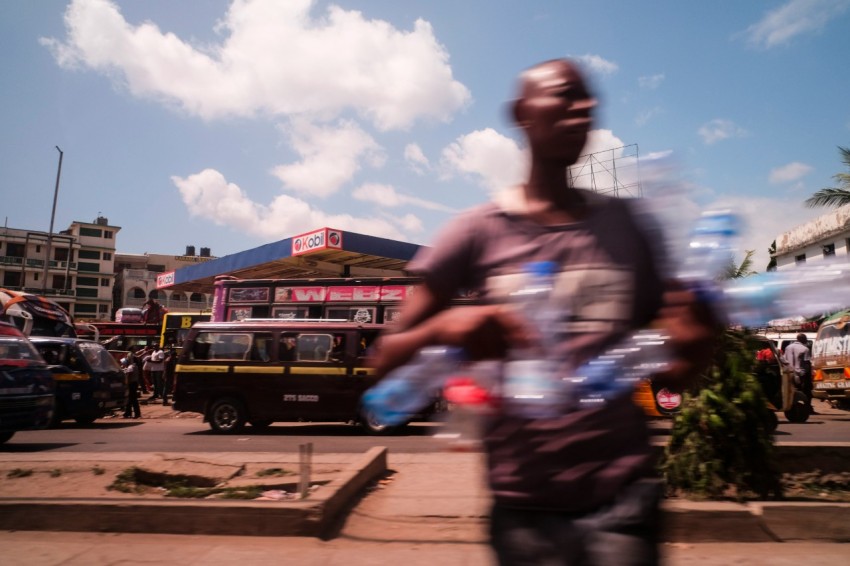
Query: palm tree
(739,271)
(834,196)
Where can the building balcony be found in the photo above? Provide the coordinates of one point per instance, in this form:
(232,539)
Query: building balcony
(47,292)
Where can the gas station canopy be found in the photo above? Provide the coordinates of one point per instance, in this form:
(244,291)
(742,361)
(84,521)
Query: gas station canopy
(322,253)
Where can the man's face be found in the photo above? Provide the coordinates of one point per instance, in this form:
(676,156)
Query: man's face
(555,111)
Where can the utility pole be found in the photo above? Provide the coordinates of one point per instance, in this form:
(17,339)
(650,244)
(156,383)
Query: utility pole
(52,216)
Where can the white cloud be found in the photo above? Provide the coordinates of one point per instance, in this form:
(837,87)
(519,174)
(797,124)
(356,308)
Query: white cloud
(651,82)
(789,173)
(644,117)
(330,156)
(493,160)
(210,196)
(416,158)
(601,140)
(276,58)
(795,18)
(386,196)
(720,129)
(597,64)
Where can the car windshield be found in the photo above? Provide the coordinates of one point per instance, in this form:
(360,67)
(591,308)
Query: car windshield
(14,348)
(98,357)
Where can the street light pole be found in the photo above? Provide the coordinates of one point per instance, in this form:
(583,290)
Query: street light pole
(52,216)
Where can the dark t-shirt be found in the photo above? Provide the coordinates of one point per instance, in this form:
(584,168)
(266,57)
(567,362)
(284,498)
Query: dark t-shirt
(607,284)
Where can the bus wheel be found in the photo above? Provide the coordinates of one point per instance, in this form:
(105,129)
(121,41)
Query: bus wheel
(226,416)
(260,423)
(6,435)
(799,411)
(373,426)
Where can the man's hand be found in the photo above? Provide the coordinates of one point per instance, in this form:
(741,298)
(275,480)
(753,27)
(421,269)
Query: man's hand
(693,330)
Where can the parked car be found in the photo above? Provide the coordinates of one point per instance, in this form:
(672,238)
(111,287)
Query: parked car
(26,385)
(89,382)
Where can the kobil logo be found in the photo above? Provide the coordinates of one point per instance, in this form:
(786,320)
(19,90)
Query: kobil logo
(318,240)
(165,280)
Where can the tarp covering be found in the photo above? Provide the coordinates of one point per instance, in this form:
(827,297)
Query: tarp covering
(49,319)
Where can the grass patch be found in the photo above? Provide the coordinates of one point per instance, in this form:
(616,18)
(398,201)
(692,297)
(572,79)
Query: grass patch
(134,480)
(98,471)
(18,473)
(274,472)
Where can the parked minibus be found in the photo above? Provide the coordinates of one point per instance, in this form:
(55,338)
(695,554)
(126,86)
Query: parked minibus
(265,371)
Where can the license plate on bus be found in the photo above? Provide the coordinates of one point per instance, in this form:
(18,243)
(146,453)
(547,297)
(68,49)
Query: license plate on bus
(832,385)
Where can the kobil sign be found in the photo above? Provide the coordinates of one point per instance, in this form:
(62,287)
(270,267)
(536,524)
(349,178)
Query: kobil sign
(322,239)
(165,280)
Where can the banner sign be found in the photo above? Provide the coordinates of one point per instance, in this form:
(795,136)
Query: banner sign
(322,239)
(165,279)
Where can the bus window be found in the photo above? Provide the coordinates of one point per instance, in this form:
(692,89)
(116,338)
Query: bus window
(314,347)
(261,348)
(288,348)
(221,346)
(338,350)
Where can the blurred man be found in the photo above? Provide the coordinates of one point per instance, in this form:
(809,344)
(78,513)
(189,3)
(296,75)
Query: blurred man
(579,488)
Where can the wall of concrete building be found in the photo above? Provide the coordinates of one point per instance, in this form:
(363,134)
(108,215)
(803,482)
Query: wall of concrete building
(825,236)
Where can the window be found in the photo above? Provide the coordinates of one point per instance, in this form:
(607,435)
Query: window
(81,308)
(221,346)
(89,254)
(87,281)
(177,296)
(93,232)
(60,282)
(86,292)
(104,282)
(829,250)
(107,255)
(91,267)
(351,314)
(156,268)
(314,347)
(12,279)
(290,312)
(800,258)
(60,254)
(136,293)
(35,276)
(14,250)
(196,297)
(38,249)
(107,234)
(261,349)
(102,308)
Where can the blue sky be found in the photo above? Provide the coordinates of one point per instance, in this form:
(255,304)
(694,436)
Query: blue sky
(229,124)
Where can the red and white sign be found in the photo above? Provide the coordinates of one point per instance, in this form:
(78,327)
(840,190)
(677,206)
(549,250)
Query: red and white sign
(165,280)
(667,399)
(322,239)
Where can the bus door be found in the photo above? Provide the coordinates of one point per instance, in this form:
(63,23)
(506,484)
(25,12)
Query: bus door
(316,375)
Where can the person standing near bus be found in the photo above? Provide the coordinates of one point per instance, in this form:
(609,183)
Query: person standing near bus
(799,357)
(168,373)
(157,367)
(131,370)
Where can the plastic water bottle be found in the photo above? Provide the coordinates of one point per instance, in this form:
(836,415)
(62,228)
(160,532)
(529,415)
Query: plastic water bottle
(808,289)
(469,403)
(408,389)
(531,384)
(617,371)
(709,251)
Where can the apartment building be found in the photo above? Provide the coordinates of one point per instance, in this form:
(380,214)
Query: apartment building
(74,267)
(136,280)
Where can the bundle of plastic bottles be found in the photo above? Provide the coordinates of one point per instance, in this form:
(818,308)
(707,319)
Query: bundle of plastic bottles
(530,383)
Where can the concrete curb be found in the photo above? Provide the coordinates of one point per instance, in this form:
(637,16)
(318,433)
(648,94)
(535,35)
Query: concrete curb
(309,517)
(701,522)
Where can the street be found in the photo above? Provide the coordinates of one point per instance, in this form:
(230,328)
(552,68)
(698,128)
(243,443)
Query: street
(190,434)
